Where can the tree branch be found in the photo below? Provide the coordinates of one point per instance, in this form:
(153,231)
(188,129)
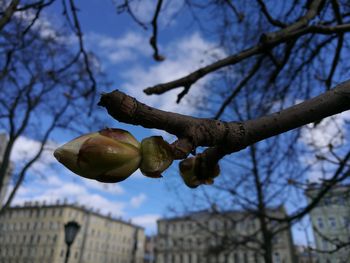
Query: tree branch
(267,42)
(268,16)
(153,39)
(8,13)
(227,137)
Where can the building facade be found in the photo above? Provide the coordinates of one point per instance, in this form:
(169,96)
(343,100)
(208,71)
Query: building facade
(331,223)
(305,254)
(207,237)
(150,247)
(35,233)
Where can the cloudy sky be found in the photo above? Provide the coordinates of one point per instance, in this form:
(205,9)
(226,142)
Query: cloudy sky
(126,56)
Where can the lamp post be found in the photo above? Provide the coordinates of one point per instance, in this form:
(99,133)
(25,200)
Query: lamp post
(70,231)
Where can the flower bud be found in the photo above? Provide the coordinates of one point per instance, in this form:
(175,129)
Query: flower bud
(156,156)
(110,155)
(194,173)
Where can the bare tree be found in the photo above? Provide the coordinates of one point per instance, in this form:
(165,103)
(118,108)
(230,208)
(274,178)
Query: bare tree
(278,55)
(43,81)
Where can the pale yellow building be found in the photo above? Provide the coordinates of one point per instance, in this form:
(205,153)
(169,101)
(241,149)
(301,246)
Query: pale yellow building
(34,233)
(211,237)
(331,223)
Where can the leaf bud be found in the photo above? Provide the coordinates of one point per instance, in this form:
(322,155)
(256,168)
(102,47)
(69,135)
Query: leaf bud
(194,172)
(157,156)
(110,155)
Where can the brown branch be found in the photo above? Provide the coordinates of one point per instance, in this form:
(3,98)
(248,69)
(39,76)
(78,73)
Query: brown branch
(225,138)
(240,16)
(79,34)
(268,41)
(8,13)
(239,87)
(268,16)
(125,7)
(36,157)
(153,39)
(339,47)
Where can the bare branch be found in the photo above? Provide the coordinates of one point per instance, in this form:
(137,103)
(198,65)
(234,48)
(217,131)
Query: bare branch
(153,39)
(8,13)
(268,41)
(268,15)
(228,137)
(79,34)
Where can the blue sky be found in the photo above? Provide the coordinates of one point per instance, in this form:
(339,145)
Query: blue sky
(126,57)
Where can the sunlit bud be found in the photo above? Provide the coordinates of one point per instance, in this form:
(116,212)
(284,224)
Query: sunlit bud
(156,156)
(194,173)
(110,155)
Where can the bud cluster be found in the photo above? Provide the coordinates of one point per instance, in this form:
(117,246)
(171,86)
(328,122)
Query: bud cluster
(194,172)
(112,155)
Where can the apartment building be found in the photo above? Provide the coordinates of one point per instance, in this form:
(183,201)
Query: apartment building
(331,223)
(305,254)
(150,247)
(35,233)
(211,237)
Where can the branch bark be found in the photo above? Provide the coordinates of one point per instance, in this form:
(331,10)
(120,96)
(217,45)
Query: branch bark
(227,137)
(267,42)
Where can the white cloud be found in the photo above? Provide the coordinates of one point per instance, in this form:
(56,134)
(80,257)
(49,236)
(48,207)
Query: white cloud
(182,57)
(53,188)
(330,130)
(42,25)
(104,187)
(26,148)
(46,183)
(148,221)
(138,200)
(120,49)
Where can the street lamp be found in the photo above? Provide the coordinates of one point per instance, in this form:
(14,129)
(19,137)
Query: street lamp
(70,231)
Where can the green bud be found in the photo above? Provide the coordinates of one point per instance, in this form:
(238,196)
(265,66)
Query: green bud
(110,155)
(157,156)
(193,175)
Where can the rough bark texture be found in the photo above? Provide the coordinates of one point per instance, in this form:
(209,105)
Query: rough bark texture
(226,137)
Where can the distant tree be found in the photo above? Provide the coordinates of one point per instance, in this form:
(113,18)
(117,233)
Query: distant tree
(278,55)
(45,81)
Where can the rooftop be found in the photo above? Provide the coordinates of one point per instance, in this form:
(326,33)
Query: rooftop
(76,206)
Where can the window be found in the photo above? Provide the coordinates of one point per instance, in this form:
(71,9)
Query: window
(320,222)
(276,257)
(327,201)
(341,200)
(346,221)
(245,257)
(275,240)
(332,222)
(324,245)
